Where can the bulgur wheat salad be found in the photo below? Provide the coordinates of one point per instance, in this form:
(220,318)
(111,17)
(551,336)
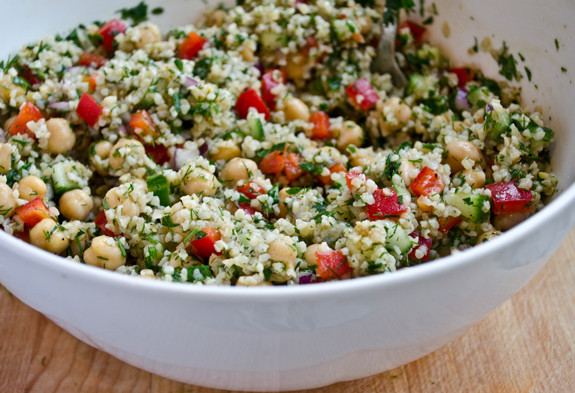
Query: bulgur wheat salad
(257,147)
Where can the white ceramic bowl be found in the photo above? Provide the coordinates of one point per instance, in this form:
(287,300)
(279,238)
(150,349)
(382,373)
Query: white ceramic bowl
(301,337)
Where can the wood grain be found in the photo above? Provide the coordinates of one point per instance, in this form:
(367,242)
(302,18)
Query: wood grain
(526,345)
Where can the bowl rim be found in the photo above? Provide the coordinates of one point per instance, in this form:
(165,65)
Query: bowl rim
(424,271)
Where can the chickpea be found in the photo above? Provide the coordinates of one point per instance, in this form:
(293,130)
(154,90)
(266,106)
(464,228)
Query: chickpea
(457,151)
(401,115)
(5,158)
(503,222)
(48,236)
(295,109)
(309,254)
(283,250)
(105,253)
(238,169)
(475,178)
(407,171)
(283,195)
(117,154)
(115,197)
(365,24)
(216,18)
(8,201)
(226,152)
(76,205)
(296,66)
(247,53)
(9,121)
(148,34)
(103,148)
(31,187)
(62,138)
(486,236)
(351,134)
(200,181)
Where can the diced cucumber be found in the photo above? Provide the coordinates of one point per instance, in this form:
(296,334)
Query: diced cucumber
(470,204)
(397,237)
(160,187)
(478,96)
(255,128)
(60,178)
(538,145)
(270,40)
(496,123)
(418,85)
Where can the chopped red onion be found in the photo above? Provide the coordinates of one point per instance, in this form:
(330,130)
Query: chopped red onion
(60,106)
(488,108)
(461,102)
(260,67)
(204,149)
(189,82)
(309,278)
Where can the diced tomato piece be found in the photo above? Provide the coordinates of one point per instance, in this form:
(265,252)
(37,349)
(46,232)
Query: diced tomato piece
(24,235)
(246,207)
(416,30)
(29,76)
(385,206)
(446,223)
(89,109)
(349,178)
(361,94)
(190,47)
(423,245)
(292,170)
(108,31)
(158,153)
(320,121)
(251,189)
(92,60)
(28,112)
(335,168)
(101,222)
(142,124)
(92,84)
(205,245)
(427,182)
(249,98)
(507,198)
(270,80)
(33,212)
(273,163)
(464,75)
(332,265)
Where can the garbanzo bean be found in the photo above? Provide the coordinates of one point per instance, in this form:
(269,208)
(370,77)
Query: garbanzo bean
(458,150)
(115,197)
(226,151)
(76,205)
(395,115)
(310,251)
(200,181)
(49,236)
(474,177)
(239,169)
(122,149)
(350,134)
(296,66)
(148,33)
(105,252)
(216,18)
(62,137)
(295,109)
(32,187)
(8,201)
(283,250)
(5,158)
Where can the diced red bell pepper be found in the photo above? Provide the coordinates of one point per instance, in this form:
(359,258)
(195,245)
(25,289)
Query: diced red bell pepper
(385,206)
(332,265)
(28,112)
(447,223)
(88,59)
(427,182)
(273,163)
(158,153)
(270,80)
(416,30)
(108,31)
(29,76)
(292,170)
(464,75)
(361,94)
(249,98)
(335,168)
(423,245)
(320,121)
(142,124)
(101,222)
(349,178)
(251,189)
(190,47)
(33,212)
(507,198)
(89,109)
(205,246)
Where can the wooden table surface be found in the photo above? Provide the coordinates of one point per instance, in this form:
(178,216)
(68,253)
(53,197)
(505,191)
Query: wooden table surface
(526,345)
